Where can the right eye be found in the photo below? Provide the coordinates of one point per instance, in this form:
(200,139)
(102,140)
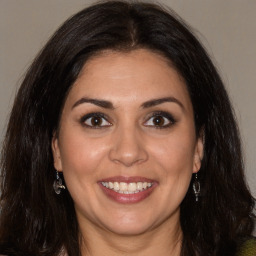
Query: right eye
(95,120)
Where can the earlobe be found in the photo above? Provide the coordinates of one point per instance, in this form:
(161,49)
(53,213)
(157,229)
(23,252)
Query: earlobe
(56,153)
(199,153)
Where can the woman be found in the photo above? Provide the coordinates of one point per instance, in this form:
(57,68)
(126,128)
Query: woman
(122,141)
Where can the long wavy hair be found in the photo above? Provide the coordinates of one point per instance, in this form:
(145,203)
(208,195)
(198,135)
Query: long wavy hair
(36,221)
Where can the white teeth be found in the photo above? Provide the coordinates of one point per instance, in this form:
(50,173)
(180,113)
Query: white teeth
(116,186)
(110,185)
(127,188)
(123,186)
(132,187)
(139,186)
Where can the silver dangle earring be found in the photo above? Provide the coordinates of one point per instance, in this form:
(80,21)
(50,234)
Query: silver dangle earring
(196,187)
(57,184)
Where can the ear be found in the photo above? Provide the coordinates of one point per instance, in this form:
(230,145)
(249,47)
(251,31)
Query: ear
(56,153)
(199,153)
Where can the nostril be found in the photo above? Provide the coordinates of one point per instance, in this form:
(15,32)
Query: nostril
(128,148)
(128,158)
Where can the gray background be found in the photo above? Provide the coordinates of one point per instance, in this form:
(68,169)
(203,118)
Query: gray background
(226,28)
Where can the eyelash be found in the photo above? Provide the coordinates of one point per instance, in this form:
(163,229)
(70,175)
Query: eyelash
(91,115)
(100,115)
(165,115)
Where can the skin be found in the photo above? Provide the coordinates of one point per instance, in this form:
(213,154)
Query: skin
(128,143)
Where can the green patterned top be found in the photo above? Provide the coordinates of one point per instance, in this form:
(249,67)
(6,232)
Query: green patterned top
(248,248)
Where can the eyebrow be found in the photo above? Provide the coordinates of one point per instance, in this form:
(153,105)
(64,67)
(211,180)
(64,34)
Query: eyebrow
(154,102)
(108,105)
(101,103)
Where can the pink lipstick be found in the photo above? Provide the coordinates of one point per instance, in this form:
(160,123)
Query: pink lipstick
(127,190)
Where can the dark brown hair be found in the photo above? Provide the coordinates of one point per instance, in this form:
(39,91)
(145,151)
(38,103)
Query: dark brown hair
(36,221)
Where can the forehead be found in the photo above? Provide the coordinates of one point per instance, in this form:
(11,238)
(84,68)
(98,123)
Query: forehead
(124,76)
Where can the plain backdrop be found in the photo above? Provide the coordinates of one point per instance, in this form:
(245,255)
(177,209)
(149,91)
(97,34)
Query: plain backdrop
(226,28)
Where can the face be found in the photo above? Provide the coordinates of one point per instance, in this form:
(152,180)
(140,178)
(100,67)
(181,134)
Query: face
(126,143)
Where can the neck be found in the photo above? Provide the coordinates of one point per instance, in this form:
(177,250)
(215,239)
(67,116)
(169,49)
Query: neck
(164,240)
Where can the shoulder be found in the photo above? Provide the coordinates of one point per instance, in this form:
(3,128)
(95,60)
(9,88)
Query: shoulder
(247,248)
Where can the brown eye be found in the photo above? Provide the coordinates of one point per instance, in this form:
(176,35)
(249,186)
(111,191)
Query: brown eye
(158,121)
(95,120)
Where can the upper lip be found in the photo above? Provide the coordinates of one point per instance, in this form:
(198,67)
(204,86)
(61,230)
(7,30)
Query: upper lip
(127,179)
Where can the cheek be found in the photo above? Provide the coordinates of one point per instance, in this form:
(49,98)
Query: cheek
(81,159)
(81,156)
(175,153)
(175,157)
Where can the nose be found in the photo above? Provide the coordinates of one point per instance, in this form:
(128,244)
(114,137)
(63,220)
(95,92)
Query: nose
(128,147)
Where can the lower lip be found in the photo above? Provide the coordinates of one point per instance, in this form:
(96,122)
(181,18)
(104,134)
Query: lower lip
(128,198)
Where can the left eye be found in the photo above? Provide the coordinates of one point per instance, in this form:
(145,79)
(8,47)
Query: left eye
(159,121)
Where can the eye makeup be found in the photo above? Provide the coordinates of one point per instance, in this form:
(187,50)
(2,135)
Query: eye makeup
(160,120)
(156,119)
(96,120)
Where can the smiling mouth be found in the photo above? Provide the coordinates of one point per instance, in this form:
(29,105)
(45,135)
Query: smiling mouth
(127,188)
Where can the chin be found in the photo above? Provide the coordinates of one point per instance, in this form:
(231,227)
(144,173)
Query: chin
(129,226)
(129,230)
